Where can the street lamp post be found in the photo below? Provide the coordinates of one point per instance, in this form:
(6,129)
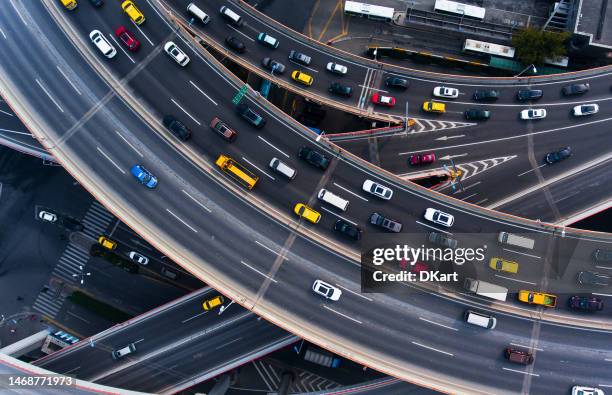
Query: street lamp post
(531,66)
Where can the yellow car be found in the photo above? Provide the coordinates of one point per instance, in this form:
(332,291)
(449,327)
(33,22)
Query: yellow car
(133,12)
(213,303)
(307,213)
(434,106)
(502,265)
(302,78)
(107,243)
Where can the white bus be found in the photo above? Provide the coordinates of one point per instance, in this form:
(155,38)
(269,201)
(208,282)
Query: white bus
(488,48)
(370,11)
(459,9)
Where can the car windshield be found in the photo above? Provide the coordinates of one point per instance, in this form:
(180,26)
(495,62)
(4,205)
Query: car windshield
(385,99)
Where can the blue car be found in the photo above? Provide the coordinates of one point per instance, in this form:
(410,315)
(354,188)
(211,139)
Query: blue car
(144,176)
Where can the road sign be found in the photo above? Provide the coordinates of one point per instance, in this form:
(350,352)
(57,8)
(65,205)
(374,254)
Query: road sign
(240,94)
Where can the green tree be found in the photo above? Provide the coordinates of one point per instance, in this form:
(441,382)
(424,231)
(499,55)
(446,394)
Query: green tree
(534,45)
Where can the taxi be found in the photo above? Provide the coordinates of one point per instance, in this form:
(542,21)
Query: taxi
(133,12)
(302,78)
(503,265)
(434,106)
(307,213)
(213,303)
(107,243)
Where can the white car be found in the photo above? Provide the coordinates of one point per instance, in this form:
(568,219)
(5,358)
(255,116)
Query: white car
(136,257)
(326,290)
(176,53)
(586,109)
(336,68)
(47,216)
(443,91)
(581,390)
(377,190)
(533,113)
(102,44)
(439,217)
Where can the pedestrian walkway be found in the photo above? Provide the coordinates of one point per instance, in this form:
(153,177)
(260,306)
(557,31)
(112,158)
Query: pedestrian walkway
(96,220)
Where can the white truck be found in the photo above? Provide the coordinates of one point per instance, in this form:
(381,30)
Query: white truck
(486,289)
(515,240)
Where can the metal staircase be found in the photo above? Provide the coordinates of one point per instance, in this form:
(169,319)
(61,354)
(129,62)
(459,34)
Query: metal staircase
(559,17)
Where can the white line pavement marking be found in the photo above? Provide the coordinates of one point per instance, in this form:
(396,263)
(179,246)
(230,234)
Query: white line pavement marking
(257,271)
(354,293)
(521,371)
(339,216)
(128,143)
(189,115)
(121,48)
(342,315)
(202,92)
(197,201)
(515,279)
(599,294)
(252,164)
(7,113)
(478,203)
(143,33)
(49,95)
(19,13)
(271,250)
(228,343)
(110,160)
(195,316)
(271,145)
(434,228)
(604,385)
(608,359)
(598,267)
(182,221)
(467,197)
(238,31)
(437,323)
(470,186)
(302,66)
(374,89)
(524,346)
(569,103)
(349,191)
(522,253)
(68,79)
(432,349)
(3,35)
(530,170)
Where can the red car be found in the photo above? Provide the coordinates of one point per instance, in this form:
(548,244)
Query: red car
(416,268)
(127,38)
(422,159)
(388,101)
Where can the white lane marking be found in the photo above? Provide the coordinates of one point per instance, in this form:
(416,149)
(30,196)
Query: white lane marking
(121,48)
(515,279)
(228,343)
(271,145)
(3,35)
(604,385)
(521,371)
(49,95)
(202,92)
(67,79)
(197,201)
(374,89)
(432,349)
(7,113)
(128,143)
(339,216)
(437,323)
(524,346)
(110,160)
(143,34)
(250,163)
(608,359)
(604,267)
(434,228)
(302,66)
(182,221)
(470,186)
(238,31)
(257,271)
(189,115)
(522,253)
(599,294)
(19,13)
(195,316)
(352,193)
(271,250)
(569,103)
(472,195)
(354,293)
(530,170)
(478,203)
(340,314)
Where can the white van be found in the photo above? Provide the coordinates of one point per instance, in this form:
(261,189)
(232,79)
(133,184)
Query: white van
(118,354)
(282,168)
(482,320)
(333,199)
(198,13)
(231,16)
(515,240)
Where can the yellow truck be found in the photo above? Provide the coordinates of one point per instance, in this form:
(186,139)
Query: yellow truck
(236,171)
(546,300)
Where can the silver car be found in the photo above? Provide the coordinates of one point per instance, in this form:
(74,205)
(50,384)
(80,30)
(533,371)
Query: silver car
(176,53)
(326,290)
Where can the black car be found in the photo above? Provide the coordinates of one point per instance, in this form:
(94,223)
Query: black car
(251,116)
(314,158)
(486,95)
(97,3)
(477,114)
(442,240)
(575,89)
(385,223)
(593,278)
(558,156)
(602,256)
(347,229)
(235,44)
(586,303)
(529,94)
(396,82)
(341,90)
(300,58)
(177,127)
(273,65)
(72,224)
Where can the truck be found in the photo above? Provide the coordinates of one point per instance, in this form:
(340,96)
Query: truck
(321,357)
(516,240)
(540,298)
(236,171)
(486,289)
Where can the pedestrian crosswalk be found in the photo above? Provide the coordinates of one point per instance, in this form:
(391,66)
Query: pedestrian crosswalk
(96,222)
